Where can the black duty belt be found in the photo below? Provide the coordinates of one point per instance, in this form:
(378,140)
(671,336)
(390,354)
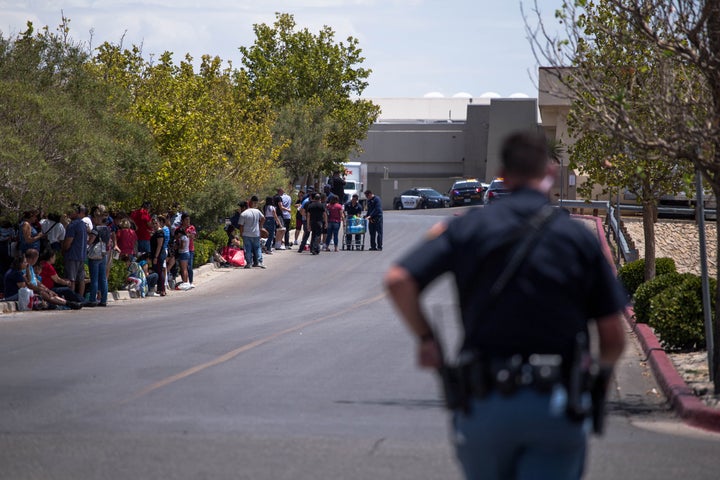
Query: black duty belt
(478,377)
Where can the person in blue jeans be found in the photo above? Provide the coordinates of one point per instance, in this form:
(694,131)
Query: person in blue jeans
(250,222)
(191,232)
(271,222)
(374,217)
(98,268)
(525,323)
(335,216)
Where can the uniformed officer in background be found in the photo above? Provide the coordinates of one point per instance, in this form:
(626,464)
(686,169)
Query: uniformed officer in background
(530,280)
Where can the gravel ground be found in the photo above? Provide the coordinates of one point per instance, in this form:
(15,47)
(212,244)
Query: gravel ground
(678,239)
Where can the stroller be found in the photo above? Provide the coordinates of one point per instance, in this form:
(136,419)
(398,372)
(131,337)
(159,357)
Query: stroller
(353,235)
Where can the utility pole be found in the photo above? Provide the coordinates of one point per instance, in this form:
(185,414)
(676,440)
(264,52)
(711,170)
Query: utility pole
(707,314)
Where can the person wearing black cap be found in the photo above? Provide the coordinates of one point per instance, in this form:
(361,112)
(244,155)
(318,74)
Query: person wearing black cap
(530,281)
(374,217)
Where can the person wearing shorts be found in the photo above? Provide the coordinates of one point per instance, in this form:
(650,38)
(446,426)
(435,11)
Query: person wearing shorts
(74,249)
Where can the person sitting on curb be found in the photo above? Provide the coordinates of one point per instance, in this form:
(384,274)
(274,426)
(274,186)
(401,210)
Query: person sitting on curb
(150,277)
(38,288)
(15,278)
(50,278)
(138,281)
(233,240)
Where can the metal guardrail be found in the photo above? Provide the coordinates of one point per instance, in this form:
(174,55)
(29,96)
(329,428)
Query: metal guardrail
(629,254)
(625,207)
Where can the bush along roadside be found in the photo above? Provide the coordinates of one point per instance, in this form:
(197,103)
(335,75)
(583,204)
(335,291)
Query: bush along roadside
(646,291)
(677,317)
(632,274)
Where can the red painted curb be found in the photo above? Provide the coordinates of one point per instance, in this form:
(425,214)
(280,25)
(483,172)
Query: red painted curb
(682,398)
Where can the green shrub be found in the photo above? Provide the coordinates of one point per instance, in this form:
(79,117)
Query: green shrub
(218,236)
(204,250)
(676,315)
(632,274)
(646,291)
(118,275)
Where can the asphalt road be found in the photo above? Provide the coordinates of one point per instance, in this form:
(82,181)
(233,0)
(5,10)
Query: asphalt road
(300,371)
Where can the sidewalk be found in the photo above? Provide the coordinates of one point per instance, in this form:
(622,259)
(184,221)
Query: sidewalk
(681,397)
(201,273)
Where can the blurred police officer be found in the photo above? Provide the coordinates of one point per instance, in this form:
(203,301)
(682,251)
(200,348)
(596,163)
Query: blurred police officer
(517,426)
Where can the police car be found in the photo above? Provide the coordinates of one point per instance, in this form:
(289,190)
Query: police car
(420,197)
(466,192)
(495,191)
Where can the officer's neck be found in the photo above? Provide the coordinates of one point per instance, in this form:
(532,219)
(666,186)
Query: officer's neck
(542,185)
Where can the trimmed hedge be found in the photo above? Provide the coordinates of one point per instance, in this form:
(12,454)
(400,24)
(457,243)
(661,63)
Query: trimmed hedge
(118,275)
(218,237)
(676,315)
(632,274)
(204,250)
(646,291)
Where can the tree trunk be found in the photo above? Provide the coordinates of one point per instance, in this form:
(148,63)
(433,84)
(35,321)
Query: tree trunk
(649,217)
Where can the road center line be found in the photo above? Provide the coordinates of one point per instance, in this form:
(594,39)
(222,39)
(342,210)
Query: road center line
(234,353)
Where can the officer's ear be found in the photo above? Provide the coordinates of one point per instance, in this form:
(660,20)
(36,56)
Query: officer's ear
(551,169)
(549,180)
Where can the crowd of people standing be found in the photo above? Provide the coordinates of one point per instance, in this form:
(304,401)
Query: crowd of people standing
(157,248)
(152,246)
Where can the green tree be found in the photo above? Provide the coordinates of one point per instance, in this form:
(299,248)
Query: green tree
(204,125)
(310,76)
(680,108)
(61,142)
(603,67)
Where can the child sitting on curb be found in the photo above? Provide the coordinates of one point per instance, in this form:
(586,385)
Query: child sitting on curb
(138,281)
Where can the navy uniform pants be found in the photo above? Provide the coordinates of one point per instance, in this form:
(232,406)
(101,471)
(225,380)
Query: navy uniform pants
(522,436)
(375,228)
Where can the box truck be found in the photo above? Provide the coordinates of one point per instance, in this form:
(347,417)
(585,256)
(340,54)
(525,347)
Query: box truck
(355,180)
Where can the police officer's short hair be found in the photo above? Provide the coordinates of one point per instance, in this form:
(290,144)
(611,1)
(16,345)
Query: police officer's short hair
(525,155)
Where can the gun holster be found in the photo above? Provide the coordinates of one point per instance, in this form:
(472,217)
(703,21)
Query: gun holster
(460,382)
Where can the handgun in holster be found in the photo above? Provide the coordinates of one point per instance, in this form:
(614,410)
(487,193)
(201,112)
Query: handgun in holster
(587,386)
(455,379)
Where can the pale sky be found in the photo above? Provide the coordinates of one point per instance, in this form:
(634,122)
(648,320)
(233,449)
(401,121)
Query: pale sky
(413,46)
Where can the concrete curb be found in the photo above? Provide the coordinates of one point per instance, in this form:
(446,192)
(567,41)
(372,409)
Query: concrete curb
(11,307)
(8,307)
(682,398)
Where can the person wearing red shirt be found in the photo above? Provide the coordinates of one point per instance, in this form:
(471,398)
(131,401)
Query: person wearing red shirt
(126,239)
(191,233)
(143,226)
(61,286)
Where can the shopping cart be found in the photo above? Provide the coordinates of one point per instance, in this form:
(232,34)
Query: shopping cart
(353,235)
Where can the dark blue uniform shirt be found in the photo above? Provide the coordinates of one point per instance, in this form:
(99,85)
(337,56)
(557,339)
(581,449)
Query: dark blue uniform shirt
(351,209)
(374,207)
(564,280)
